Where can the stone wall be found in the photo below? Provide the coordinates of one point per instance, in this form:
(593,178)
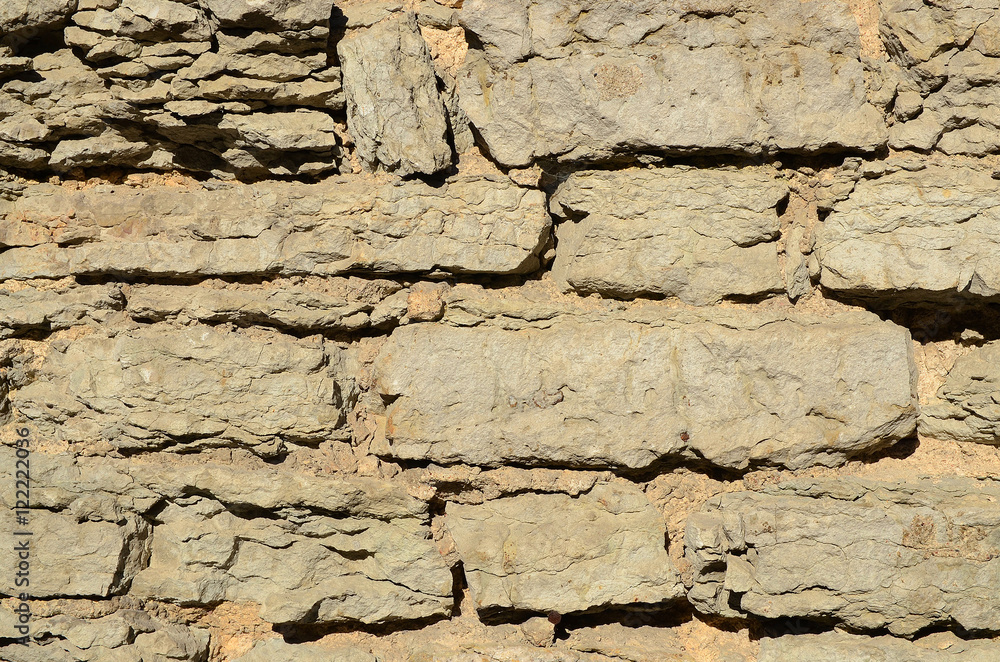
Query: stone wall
(500,330)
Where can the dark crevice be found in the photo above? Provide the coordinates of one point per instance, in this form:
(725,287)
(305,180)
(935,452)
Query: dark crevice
(301,633)
(933,316)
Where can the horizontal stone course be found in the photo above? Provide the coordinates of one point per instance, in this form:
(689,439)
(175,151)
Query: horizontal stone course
(901,556)
(592,80)
(471,225)
(736,390)
(158,387)
(699,235)
(556,553)
(923,234)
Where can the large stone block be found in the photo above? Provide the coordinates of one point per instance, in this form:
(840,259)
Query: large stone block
(700,235)
(554,552)
(128,635)
(394,112)
(72,558)
(736,389)
(902,556)
(159,386)
(307,568)
(947,53)
(843,647)
(470,225)
(928,233)
(586,80)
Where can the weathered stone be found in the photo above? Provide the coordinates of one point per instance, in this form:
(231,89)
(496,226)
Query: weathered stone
(23,15)
(948,55)
(902,556)
(74,558)
(283,306)
(783,76)
(34,309)
(276,650)
(272,489)
(127,636)
(556,553)
(470,225)
(300,569)
(914,235)
(969,407)
(843,647)
(394,111)
(700,235)
(473,651)
(606,391)
(157,387)
(271,15)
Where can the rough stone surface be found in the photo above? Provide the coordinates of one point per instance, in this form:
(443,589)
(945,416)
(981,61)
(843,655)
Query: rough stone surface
(587,80)
(276,650)
(31,309)
(969,400)
(610,392)
(127,635)
(947,54)
(394,112)
(842,647)
(81,558)
(555,553)
(699,235)
(303,569)
(281,304)
(902,556)
(16,15)
(158,387)
(468,225)
(929,233)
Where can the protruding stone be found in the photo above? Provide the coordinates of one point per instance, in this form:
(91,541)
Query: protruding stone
(902,556)
(394,111)
(594,80)
(700,235)
(600,391)
(924,234)
(555,553)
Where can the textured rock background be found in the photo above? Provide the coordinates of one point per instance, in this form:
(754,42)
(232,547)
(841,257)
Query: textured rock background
(507,330)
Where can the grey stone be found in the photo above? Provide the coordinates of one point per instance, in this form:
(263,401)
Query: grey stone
(271,15)
(606,390)
(843,647)
(394,112)
(902,556)
(275,489)
(36,309)
(158,387)
(125,636)
(924,234)
(968,406)
(283,306)
(276,650)
(587,80)
(74,558)
(554,552)
(469,225)
(948,57)
(699,235)
(302,569)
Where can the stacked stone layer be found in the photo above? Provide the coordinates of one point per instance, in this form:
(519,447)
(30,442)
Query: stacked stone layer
(556,330)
